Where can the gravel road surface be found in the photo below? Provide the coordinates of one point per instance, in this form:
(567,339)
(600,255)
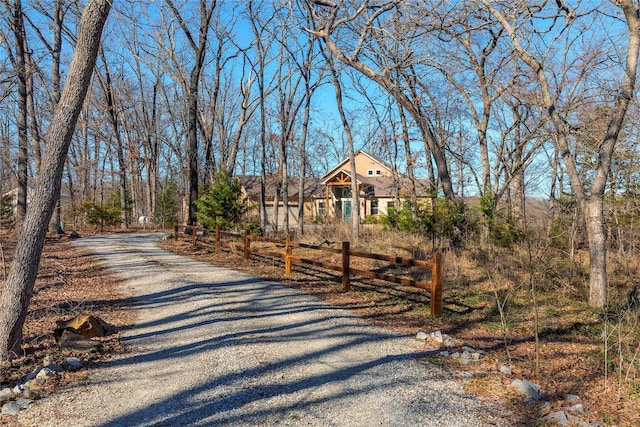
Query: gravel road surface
(214,346)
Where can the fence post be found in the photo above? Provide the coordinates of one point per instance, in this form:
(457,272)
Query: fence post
(345,266)
(217,240)
(247,246)
(287,255)
(195,234)
(175,232)
(437,279)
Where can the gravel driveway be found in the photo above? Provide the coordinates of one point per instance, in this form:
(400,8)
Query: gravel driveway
(214,346)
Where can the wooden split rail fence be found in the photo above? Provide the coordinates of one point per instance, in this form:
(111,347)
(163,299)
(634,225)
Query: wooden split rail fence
(345,269)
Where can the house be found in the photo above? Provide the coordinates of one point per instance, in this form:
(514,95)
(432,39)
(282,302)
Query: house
(313,190)
(378,188)
(328,199)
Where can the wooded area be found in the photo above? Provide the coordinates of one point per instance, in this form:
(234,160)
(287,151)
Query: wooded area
(506,103)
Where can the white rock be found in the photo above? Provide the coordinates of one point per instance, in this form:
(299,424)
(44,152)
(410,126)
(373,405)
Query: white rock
(45,374)
(437,336)
(5,394)
(527,388)
(558,417)
(23,402)
(18,389)
(10,409)
(505,370)
(448,341)
(421,336)
(576,408)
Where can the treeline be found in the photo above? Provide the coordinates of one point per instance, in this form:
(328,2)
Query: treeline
(493,99)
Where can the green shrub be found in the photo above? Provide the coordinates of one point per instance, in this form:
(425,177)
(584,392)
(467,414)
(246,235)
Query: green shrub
(103,215)
(371,219)
(222,204)
(167,205)
(501,228)
(448,219)
(6,209)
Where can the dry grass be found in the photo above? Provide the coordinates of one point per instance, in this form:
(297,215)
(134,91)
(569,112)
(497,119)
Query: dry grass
(570,355)
(571,349)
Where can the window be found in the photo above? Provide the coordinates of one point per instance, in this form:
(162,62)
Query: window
(374,207)
(378,172)
(322,208)
(369,172)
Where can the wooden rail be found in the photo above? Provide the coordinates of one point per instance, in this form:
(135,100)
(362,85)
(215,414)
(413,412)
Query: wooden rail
(435,286)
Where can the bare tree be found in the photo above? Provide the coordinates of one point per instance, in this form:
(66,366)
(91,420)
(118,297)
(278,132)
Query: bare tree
(362,21)
(590,199)
(18,289)
(199,49)
(18,60)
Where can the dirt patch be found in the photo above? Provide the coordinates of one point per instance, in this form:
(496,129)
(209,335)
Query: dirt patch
(69,283)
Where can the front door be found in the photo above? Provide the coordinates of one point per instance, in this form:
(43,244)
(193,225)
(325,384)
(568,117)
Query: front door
(346,210)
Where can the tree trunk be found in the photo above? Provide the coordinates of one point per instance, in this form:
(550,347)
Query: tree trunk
(55,226)
(23,143)
(594,218)
(18,289)
(355,198)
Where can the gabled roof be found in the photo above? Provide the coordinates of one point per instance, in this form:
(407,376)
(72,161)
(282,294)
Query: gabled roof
(344,165)
(342,175)
(313,187)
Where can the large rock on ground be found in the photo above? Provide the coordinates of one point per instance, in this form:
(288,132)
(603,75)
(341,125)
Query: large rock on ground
(86,325)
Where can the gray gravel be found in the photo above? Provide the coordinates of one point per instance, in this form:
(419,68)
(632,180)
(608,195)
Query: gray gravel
(217,347)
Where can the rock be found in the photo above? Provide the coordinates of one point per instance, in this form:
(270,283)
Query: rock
(73,363)
(421,336)
(33,385)
(529,389)
(505,370)
(468,349)
(167,237)
(448,341)
(10,409)
(85,324)
(437,336)
(6,394)
(74,235)
(558,417)
(444,353)
(18,389)
(45,374)
(571,398)
(576,408)
(576,421)
(72,340)
(545,408)
(24,402)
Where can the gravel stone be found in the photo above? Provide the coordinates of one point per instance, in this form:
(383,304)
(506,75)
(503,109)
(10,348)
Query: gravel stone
(213,346)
